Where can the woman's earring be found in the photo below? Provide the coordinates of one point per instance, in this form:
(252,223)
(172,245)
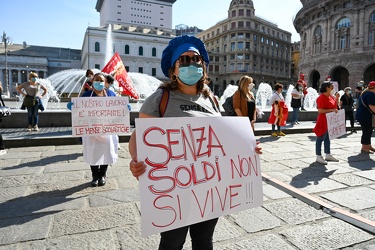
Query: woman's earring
(174,78)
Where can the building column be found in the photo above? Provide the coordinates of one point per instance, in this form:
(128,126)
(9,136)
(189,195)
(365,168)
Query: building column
(361,20)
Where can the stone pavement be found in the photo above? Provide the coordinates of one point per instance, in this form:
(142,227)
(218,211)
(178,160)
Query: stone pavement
(46,201)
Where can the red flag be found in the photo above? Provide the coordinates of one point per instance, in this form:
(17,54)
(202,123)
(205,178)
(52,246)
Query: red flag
(116,68)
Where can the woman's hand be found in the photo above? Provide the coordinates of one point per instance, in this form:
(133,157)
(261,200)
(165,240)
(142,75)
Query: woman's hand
(258,148)
(137,168)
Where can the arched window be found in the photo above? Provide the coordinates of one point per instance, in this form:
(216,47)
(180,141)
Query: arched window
(342,39)
(317,39)
(140,51)
(126,49)
(371,36)
(154,52)
(97,47)
(343,23)
(318,31)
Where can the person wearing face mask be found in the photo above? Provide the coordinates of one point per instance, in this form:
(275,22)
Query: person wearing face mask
(358,90)
(244,101)
(31,91)
(296,101)
(99,151)
(347,103)
(326,103)
(88,83)
(184,62)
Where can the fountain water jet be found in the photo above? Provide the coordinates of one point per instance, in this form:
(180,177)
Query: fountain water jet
(263,96)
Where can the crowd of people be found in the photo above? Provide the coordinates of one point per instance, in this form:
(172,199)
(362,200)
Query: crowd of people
(184,62)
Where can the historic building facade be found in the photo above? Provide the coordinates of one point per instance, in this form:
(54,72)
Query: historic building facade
(137,30)
(140,48)
(244,44)
(21,59)
(337,40)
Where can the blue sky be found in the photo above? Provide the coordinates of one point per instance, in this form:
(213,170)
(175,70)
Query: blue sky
(62,23)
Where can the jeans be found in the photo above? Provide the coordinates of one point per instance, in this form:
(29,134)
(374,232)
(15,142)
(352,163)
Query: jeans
(295,114)
(32,115)
(201,236)
(327,144)
(273,128)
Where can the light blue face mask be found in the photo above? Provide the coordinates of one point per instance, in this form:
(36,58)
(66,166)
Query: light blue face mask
(33,79)
(349,92)
(191,74)
(99,86)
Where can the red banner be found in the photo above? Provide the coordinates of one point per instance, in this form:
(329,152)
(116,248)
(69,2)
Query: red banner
(116,68)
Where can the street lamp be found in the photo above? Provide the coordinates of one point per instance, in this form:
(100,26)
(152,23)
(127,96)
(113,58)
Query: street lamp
(6,40)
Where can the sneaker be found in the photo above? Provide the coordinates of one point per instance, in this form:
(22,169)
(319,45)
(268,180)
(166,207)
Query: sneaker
(280,133)
(274,134)
(319,159)
(3,152)
(329,157)
(35,128)
(29,128)
(296,123)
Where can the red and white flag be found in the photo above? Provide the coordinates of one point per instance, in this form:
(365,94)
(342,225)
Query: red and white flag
(116,68)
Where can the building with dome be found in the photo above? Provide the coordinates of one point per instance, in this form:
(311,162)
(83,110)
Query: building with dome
(337,40)
(245,44)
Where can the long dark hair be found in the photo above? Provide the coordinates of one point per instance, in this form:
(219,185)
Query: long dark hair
(173,84)
(324,86)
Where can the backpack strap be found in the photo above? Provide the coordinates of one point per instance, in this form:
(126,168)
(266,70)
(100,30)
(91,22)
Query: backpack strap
(214,102)
(164,102)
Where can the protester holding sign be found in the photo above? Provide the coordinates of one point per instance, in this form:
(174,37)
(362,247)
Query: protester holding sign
(244,101)
(184,62)
(99,151)
(326,103)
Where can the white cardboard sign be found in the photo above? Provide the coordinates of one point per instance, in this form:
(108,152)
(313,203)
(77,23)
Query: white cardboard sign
(93,116)
(198,168)
(336,124)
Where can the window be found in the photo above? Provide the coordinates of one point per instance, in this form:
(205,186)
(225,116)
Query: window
(153,72)
(343,22)
(140,51)
(232,46)
(97,66)
(248,13)
(318,31)
(140,69)
(240,45)
(233,13)
(372,30)
(126,49)
(343,32)
(317,40)
(97,47)
(240,12)
(240,36)
(153,52)
(127,68)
